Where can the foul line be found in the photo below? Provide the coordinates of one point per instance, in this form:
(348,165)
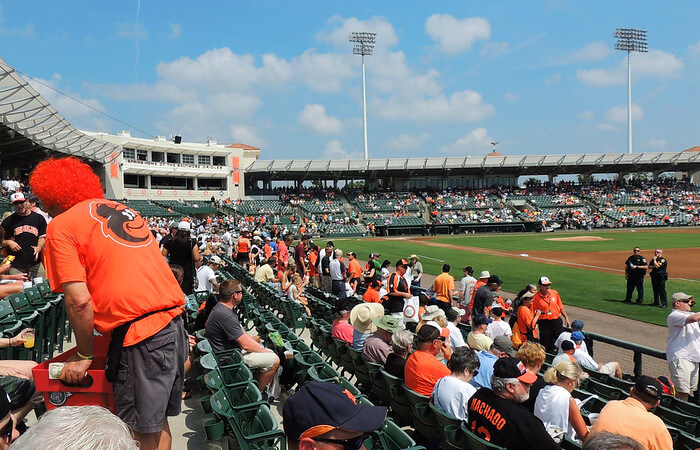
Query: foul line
(434,259)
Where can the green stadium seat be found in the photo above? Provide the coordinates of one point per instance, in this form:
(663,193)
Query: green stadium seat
(444,422)
(474,442)
(423,419)
(400,404)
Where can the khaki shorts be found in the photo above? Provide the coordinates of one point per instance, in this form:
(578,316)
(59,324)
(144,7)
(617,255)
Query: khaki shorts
(261,361)
(609,368)
(684,375)
(149,382)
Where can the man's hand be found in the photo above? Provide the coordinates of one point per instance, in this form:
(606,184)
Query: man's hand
(75,369)
(12,245)
(37,250)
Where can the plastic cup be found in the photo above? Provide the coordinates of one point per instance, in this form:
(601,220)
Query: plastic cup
(37,280)
(29,340)
(26,284)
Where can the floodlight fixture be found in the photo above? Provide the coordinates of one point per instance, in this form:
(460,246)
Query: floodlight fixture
(364,46)
(630,40)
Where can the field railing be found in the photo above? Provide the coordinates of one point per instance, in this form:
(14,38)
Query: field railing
(638,351)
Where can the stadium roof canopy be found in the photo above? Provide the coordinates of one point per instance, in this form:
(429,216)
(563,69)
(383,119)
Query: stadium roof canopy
(31,129)
(491,165)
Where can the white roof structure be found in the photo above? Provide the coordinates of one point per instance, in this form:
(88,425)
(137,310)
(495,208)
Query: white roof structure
(493,164)
(33,128)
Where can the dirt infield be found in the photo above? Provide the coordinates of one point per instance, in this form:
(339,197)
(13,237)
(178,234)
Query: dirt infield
(579,239)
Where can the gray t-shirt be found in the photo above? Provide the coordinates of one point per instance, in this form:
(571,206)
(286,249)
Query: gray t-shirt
(223,328)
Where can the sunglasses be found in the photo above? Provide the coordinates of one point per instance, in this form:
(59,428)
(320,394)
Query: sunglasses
(347,444)
(690,303)
(238,292)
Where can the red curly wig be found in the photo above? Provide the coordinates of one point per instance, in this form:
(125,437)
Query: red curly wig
(63,182)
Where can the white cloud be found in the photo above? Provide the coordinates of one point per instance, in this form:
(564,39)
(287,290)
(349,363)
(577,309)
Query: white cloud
(80,114)
(132,30)
(322,72)
(656,143)
(477,140)
(586,115)
(462,106)
(407,141)
(175,30)
(555,78)
(342,27)
(590,52)
(694,49)
(455,35)
(315,118)
(604,126)
(511,97)
(26,31)
(247,135)
(334,150)
(619,113)
(655,63)
(493,50)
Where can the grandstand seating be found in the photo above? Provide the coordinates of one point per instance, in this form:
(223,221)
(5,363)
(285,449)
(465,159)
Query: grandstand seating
(232,394)
(149,209)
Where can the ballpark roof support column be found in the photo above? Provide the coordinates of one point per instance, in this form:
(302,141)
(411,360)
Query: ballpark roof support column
(364,45)
(630,40)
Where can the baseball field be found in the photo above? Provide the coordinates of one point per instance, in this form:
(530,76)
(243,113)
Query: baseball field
(587,268)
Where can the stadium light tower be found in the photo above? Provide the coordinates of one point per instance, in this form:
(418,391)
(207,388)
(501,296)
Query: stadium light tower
(630,40)
(364,45)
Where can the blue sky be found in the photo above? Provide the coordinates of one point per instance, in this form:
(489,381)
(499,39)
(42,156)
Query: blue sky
(446,79)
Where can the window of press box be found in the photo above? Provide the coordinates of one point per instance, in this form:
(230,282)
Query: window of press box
(129,153)
(187,159)
(134,181)
(142,155)
(158,182)
(173,158)
(204,159)
(157,156)
(219,161)
(211,184)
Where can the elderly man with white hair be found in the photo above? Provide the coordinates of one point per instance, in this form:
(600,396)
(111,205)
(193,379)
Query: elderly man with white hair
(683,346)
(338,273)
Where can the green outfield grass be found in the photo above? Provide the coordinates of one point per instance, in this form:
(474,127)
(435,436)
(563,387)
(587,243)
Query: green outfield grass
(618,240)
(579,287)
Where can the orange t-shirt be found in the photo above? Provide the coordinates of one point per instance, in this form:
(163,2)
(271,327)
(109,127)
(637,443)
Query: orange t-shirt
(243,245)
(354,269)
(525,318)
(442,285)
(313,263)
(110,248)
(422,371)
(371,296)
(550,305)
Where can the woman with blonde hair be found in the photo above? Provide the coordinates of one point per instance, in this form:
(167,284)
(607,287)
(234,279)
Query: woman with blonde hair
(532,355)
(555,406)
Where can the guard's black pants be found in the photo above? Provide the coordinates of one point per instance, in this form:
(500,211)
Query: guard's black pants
(632,284)
(659,286)
(549,332)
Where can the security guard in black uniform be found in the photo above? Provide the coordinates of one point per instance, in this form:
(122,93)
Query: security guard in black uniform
(658,266)
(635,270)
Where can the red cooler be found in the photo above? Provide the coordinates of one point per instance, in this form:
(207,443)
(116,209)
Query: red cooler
(97,392)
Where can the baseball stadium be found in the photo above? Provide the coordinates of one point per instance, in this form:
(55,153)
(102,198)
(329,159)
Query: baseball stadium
(573,219)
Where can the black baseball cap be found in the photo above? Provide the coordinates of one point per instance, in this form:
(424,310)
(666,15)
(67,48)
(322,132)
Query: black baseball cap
(494,279)
(510,367)
(401,262)
(480,319)
(649,386)
(320,407)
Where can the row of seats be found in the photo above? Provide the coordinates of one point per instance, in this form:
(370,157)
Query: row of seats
(38,308)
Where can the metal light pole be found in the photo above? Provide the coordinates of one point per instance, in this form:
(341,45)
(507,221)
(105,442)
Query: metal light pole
(364,44)
(630,40)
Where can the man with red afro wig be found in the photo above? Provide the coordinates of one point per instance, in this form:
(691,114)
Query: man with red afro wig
(104,259)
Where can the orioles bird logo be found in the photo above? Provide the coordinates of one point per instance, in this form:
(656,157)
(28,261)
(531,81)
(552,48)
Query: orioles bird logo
(121,224)
(350,396)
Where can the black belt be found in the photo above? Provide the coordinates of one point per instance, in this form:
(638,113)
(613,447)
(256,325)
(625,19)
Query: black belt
(116,343)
